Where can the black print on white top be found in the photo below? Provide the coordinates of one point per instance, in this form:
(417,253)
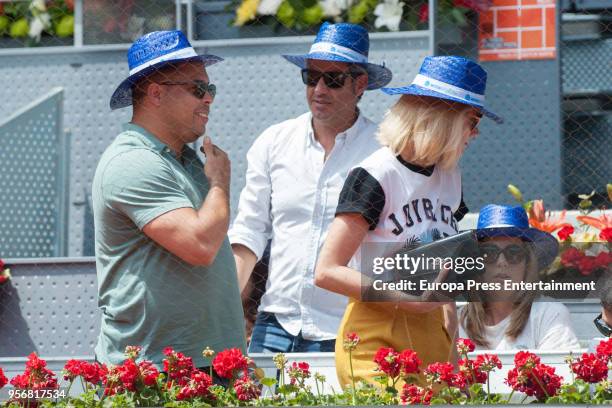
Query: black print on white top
(419,209)
(364,195)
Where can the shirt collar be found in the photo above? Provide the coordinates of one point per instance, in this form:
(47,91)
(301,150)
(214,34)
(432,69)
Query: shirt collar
(348,134)
(149,139)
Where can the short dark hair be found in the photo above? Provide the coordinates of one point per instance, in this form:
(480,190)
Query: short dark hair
(357,70)
(139,89)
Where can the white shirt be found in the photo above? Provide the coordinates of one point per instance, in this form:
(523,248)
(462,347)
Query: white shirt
(549,327)
(291,194)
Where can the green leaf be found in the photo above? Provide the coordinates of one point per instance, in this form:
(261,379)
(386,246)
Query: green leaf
(358,12)
(458,14)
(286,14)
(312,15)
(268,382)
(585,204)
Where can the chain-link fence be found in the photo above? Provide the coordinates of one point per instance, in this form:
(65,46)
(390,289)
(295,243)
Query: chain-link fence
(301,216)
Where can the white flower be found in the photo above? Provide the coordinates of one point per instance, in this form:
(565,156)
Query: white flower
(134,29)
(333,8)
(268,7)
(389,14)
(38,24)
(38,5)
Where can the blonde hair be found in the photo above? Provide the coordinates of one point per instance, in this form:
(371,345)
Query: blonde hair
(430,128)
(473,315)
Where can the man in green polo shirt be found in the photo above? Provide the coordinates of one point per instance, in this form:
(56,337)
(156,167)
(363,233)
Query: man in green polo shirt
(166,273)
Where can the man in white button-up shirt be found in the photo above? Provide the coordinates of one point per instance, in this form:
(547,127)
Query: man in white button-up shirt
(296,170)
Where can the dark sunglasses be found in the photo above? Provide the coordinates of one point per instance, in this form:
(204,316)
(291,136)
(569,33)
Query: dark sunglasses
(602,326)
(333,80)
(200,88)
(514,254)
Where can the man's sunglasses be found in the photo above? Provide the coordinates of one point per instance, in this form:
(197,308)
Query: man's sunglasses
(514,254)
(199,88)
(333,80)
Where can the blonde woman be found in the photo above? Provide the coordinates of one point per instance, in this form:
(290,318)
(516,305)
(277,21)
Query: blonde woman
(409,190)
(513,320)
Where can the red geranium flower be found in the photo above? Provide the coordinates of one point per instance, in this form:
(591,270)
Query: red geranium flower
(350,342)
(587,265)
(525,360)
(438,372)
(36,376)
(3,379)
(603,260)
(132,352)
(424,13)
(590,368)
(415,395)
(112,381)
(72,369)
(540,381)
(197,387)
(148,373)
(565,232)
(298,372)
(487,362)
(606,234)
(178,366)
(604,349)
(464,346)
(246,389)
(227,362)
(90,372)
(472,372)
(387,360)
(409,361)
(571,257)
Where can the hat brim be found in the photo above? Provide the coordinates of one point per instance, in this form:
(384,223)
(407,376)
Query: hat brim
(378,75)
(122,97)
(420,91)
(545,245)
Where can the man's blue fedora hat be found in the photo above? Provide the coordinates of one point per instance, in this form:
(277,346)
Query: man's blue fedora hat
(506,221)
(344,42)
(149,53)
(453,78)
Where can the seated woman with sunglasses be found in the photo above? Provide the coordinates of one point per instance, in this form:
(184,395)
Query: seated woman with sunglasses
(511,320)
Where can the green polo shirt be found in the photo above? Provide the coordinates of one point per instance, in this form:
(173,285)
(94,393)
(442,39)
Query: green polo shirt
(148,296)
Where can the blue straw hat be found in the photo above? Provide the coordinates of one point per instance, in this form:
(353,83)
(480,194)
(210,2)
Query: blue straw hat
(453,78)
(344,42)
(149,53)
(506,221)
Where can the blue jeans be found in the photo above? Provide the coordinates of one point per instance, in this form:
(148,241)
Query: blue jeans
(269,337)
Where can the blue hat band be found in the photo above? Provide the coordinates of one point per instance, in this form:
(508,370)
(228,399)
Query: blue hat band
(447,89)
(339,50)
(182,53)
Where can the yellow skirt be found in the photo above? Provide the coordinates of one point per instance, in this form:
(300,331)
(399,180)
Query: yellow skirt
(384,325)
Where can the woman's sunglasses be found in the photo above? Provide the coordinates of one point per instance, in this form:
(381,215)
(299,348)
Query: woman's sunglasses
(475,121)
(514,254)
(602,326)
(333,80)
(199,88)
